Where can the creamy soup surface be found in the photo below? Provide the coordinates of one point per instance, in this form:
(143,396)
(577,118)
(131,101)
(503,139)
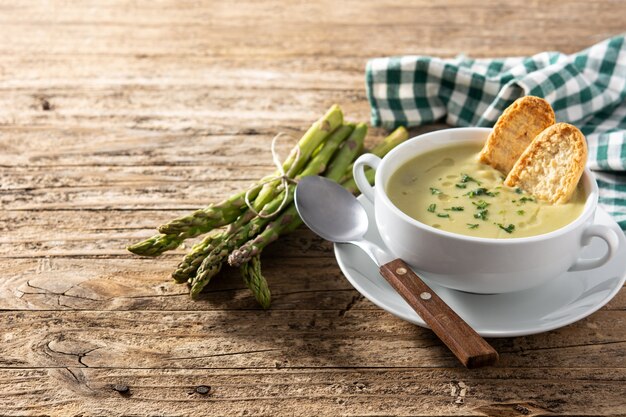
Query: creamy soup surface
(449,189)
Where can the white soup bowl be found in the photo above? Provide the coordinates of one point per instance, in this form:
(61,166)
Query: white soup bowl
(474,264)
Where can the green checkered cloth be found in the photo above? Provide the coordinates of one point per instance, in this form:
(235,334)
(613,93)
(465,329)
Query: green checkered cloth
(587,89)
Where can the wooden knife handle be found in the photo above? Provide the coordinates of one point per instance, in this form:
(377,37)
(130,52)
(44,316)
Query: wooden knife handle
(467,345)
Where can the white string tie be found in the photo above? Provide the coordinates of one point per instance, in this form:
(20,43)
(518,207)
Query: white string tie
(284,178)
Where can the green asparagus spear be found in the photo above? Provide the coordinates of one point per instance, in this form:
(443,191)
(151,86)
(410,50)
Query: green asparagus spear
(254,247)
(211,217)
(191,262)
(391,141)
(289,220)
(394,139)
(343,159)
(350,184)
(156,245)
(254,279)
(242,231)
(352,147)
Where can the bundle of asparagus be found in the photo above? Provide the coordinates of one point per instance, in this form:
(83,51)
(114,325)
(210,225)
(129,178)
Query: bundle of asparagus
(329,147)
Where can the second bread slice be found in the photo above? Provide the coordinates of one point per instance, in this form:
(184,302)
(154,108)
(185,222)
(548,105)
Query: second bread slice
(514,130)
(551,166)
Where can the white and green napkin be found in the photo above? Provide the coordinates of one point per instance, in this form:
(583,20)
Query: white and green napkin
(586,89)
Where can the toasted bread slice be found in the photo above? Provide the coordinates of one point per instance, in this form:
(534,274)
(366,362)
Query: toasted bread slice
(552,165)
(514,130)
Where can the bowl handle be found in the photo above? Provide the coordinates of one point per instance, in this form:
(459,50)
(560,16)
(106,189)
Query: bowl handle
(605,233)
(360,177)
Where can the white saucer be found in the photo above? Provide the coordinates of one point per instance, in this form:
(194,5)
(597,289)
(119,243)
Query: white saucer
(568,298)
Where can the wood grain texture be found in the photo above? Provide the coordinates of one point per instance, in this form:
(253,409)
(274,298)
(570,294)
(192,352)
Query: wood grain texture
(305,392)
(116,116)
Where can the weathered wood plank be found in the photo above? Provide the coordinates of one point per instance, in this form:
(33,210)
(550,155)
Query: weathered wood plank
(48,179)
(174,109)
(127,187)
(291,338)
(28,224)
(81,181)
(48,147)
(302,392)
(306,29)
(66,283)
(121,196)
(288,73)
(45,147)
(102,241)
(300,269)
(44,284)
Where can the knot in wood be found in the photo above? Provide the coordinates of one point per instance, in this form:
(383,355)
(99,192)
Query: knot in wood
(203,389)
(121,388)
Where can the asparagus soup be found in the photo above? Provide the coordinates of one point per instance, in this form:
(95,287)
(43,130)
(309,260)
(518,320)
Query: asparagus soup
(449,189)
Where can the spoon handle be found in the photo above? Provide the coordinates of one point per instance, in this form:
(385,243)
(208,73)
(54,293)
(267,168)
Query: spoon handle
(467,345)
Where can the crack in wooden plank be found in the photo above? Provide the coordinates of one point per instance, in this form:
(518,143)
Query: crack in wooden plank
(270,370)
(124,255)
(355,299)
(79,355)
(100,209)
(314,291)
(64,293)
(80,381)
(127,183)
(135,297)
(223,354)
(533,349)
(48,310)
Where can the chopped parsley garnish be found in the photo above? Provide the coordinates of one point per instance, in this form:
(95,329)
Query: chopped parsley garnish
(445,215)
(525,199)
(459,208)
(434,191)
(466,178)
(518,190)
(509,229)
(482,191)
(432,208)
(472,225)
(521,212)
(481,204)
(482,214)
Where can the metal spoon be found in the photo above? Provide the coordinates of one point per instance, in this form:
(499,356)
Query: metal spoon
(334,214)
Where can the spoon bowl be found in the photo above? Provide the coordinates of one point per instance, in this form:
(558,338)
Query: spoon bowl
(330,210)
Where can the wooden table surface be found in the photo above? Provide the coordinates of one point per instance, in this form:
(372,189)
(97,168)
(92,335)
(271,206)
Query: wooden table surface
(117,116)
